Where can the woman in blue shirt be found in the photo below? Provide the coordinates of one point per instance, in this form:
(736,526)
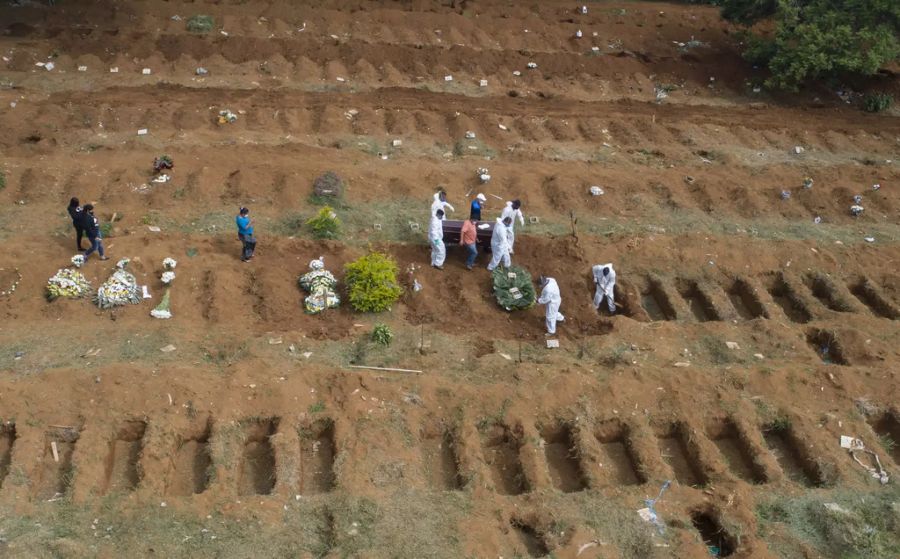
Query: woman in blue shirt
(245,234)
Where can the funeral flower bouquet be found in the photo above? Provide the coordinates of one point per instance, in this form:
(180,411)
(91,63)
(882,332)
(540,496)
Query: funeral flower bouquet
(67,283)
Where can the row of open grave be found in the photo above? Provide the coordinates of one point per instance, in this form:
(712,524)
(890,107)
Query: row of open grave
(614,453)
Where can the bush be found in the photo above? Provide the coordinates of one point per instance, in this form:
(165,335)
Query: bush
(372,282)
(2,180)
(201,24)
(877,102)
(325,225)
(815,39)
(382,334)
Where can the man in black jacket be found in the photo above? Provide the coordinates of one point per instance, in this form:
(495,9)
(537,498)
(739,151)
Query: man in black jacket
(76,213)
(91,226)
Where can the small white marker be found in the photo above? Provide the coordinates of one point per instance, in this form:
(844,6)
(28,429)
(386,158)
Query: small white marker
(146,71)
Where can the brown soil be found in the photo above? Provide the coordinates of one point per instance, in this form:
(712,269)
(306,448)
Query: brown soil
(500,447)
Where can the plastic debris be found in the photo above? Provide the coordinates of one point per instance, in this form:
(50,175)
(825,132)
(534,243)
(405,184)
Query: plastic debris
(483,174)
(49,66)
(583,10)
(201,71)
(855,446)
(798,150)
(396,143)
(146,71)
(596,191)
(876,186)
(578,34)
(448,78)
(162,178)
(649,513)
(470,135)
(785,194)
(817,220)
(517,73)
(482,83)
(870,239)
(856,210)
(82,68)
(114,70)
(532,65)
(807,183)
(143,132)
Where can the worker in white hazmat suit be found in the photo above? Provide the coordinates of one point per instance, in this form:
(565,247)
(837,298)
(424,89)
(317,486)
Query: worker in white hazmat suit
(551,298)
(440,203)
(500,245)
(436,240)
(513,212)
(605,283)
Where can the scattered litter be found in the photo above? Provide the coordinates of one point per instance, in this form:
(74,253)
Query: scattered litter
(870,239)
(396,143)
(759,356)
(114,70)
(448,78)
(340,79)
(167,349)
(856,210)
(517,73)
(143,132)
(482,83)
(470,135)
(154,228)
(532,65)
(785,194)
(306,354)
(583,10)
(275,341)
(798,150)
(857,199)
(226,116)
(162,178)
(876,186)
(854,445)
(578,34)
(552,344)
(146,71)
(505,356)
(176,17)
(732,345)
(649,513)
(413,226)
(596,191)
(533,219)
(682,364)
(145,292)
(483,175)
(817,220)
(807,183)
(39,64)
(223,32)
(201,71)
(595,49)
(689,179)
(82,68)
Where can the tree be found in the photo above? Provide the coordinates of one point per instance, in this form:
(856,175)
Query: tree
(816,39)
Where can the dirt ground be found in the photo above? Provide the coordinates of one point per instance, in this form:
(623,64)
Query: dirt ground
(750,335)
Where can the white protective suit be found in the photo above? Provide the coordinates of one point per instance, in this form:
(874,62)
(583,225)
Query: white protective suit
(551,298)
(604,287)
(512,214)
(436,240)
(438,205)
(499,246)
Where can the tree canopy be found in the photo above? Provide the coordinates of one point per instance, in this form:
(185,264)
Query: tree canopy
(819,38)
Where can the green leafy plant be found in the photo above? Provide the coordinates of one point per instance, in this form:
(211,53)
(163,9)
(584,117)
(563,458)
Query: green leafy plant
(815,39)
(2,180)
(318,407)
(372,282)
(325,225)
(106,229)
(382,334)
(877,102)
(200,24)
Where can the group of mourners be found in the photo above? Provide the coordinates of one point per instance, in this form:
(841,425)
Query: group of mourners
(503,239)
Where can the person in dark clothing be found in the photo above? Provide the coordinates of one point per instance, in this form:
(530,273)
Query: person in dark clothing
(91,226)
(245,234)
(477,204)
(75,212)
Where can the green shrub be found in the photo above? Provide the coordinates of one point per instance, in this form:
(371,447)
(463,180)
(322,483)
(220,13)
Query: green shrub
(325,225)
(372,282)
(106,229)
(382,334)
(2,180)
(200,24)
(877,102)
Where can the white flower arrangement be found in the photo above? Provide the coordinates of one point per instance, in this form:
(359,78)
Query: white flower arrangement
(167,277)
(169,263)
(162,310)
(120,289)
(67,283)
(78,260)
(122,263)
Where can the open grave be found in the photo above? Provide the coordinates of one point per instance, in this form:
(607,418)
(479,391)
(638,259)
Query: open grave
(826,346)
(317,452)
(887,427)
(501,447)
(257,468)
(785,297)
(719,543)
(7,440)
(191,464)
(528,539)
(562,453)
(825,291)
(675,451)
(56,472)
(699,302)
(656,302)
(122,471)
(791,457)
(745,300)
(618,465)
(440,459)
(736,450)
(871,296)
